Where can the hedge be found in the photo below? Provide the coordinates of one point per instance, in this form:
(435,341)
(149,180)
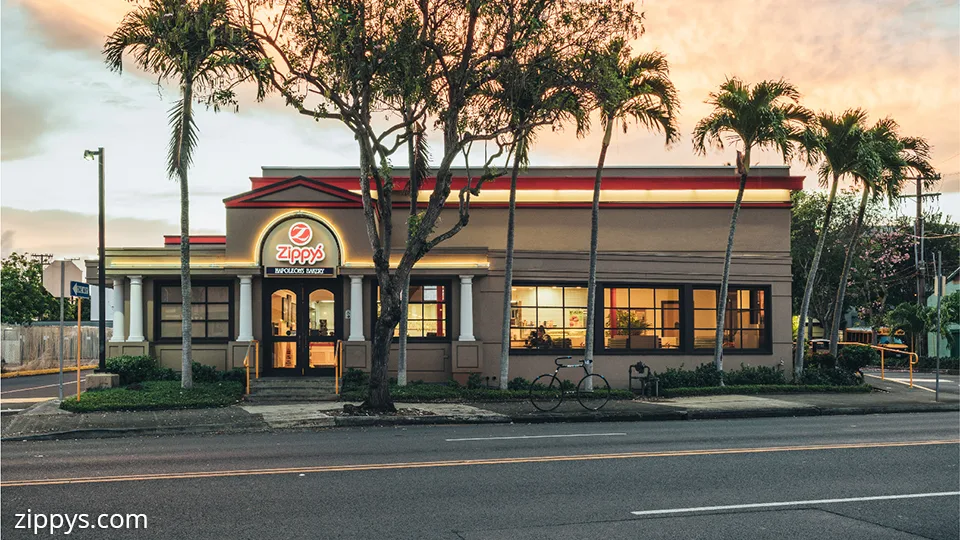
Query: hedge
(763,389)
(422,392)
(156,395)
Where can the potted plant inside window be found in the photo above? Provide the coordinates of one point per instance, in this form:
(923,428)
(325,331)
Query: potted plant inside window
(635,328)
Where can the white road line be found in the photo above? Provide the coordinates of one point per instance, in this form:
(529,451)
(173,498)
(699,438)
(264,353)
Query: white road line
(905,383)
(537,437)
(794,503)
(65,383)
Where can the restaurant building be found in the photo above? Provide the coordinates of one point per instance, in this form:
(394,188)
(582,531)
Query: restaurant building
(294,273)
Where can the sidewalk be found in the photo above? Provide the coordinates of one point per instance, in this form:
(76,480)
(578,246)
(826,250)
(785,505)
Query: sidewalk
(46,421)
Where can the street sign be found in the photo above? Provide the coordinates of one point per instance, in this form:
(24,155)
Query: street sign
(79,289)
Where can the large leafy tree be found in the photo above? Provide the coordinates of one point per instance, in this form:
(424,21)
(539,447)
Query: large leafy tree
(623,89)
(194,44)
(336,59)
(764,116)
(22,296)
(897,156)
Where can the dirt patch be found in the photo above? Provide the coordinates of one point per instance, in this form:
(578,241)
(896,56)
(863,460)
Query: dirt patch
(352,410)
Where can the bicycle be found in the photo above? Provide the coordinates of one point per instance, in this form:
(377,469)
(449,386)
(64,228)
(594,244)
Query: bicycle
(547,392)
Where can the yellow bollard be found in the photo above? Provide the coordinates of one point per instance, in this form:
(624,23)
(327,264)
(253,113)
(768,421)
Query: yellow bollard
(256,357)
(246,364)
(882,377)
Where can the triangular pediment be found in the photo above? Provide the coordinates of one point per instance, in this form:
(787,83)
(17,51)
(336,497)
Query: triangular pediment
(300,190)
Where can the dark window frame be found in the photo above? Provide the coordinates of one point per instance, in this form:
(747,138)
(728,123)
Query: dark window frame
(766,332)
(158,286)
(559,351)
(682,307)
(447,303)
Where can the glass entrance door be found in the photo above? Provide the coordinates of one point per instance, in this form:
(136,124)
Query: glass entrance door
(302,326)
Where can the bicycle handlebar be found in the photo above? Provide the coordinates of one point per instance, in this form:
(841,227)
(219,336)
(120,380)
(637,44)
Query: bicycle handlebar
(559,358)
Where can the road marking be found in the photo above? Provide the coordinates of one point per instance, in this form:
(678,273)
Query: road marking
(4,401)
(464,462)
(537,437)
(904,382)
(793,503)
(65,383)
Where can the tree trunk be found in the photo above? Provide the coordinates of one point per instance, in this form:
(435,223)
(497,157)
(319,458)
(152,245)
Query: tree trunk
(811,277)
(508,276)
(847,262)
(594,244)
(402,350)
(186,289)
(725,280)
(379,397)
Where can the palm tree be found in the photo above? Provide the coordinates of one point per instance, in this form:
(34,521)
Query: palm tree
(624,88)
(843,142)
(768,115)
(195,43)
(535,96)
(897,157)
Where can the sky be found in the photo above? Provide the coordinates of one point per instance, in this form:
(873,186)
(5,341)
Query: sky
(897,58)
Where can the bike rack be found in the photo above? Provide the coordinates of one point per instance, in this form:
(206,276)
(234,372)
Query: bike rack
(645,379)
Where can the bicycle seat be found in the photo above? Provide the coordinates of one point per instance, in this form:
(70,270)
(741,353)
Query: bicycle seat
(559,358)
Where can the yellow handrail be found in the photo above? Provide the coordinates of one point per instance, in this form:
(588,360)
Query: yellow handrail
(256,357)
(337,353)
(914,357)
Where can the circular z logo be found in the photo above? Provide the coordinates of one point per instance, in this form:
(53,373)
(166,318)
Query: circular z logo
(300,234)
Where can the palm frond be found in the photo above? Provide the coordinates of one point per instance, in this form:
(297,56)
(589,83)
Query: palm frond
(182,141)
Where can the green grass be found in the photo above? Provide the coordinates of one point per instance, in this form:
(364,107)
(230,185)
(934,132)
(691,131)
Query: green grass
(437,392)
(156,395)
(764,389)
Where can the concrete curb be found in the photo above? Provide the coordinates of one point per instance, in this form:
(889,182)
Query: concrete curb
(544,418)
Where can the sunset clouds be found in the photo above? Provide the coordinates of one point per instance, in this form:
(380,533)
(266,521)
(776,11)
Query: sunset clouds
(898,58)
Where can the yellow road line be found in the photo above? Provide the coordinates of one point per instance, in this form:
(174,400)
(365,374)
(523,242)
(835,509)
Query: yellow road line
(48,371)
(26,399)
(463,462)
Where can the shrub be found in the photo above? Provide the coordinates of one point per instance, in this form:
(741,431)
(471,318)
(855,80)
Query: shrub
(203,373)
(136,369)
(452,383)
(819,361)
(474,381)
(754,375)
(518,383)
(704,375)
(829,376)
(567,385)
(236,374)
(354,379)
(855,357)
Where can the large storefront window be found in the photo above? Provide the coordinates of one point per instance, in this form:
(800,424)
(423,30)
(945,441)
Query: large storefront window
(210,306)
(548,317)
(427,311)
(744,319)
(641,318)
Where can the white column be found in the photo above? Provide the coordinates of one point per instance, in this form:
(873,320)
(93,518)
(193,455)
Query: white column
(136,309)
(246,308)
(356,308)
(118,327)
(466,309)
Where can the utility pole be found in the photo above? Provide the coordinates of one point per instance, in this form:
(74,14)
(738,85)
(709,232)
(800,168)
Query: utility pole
(918,256)
(940,284)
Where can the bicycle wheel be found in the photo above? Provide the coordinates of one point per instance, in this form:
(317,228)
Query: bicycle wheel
(546,392)
(598,394)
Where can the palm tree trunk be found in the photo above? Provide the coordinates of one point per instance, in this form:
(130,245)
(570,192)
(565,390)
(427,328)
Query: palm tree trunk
(847,262)
(725,280)
(508,276)
(594,241)
(811,278)
(402,351)
(186,289)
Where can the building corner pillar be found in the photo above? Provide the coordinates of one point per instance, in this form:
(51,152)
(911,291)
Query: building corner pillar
(136,309)
(466,309)
(119,329)
(356,308)
(246,308)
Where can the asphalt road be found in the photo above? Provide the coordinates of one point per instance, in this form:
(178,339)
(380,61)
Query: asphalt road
(813,477)
(21,392)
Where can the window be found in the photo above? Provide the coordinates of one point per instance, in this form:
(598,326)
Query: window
(548,317)
(211,311)
(744,319)
(641,318)
(427,311)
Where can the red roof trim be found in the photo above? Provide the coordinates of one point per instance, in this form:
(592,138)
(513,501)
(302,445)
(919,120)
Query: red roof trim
(294,204)
(585,183)
(174,239)
(286,183)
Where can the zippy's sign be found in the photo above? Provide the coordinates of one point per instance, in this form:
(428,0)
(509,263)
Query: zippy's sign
(297,247)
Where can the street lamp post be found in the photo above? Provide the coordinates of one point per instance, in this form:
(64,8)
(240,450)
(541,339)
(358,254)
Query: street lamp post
(102,273)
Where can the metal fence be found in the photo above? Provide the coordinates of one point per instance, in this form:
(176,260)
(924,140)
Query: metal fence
(38,346)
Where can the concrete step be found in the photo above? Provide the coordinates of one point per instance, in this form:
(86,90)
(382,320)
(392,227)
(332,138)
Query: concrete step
(272,400)
(291,383)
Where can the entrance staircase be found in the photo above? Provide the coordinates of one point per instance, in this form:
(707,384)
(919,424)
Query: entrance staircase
(269,390)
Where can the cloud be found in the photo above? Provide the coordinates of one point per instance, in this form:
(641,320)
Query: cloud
(74,234)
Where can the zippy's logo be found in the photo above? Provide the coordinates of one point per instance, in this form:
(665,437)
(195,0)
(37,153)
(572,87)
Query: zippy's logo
(300,253)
